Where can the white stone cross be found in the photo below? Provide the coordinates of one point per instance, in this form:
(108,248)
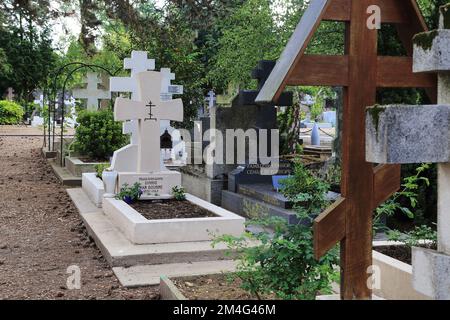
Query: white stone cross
(167,88)
(92,93)
(211,99)
(149,110)
(138,62)
(40,101)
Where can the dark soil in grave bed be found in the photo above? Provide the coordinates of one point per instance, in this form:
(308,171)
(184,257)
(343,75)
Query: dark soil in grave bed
(402,253)
(170,209)
(213,287)
(92,160)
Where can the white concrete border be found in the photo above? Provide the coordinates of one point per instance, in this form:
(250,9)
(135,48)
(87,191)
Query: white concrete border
(93,187)
(395,279)
(139,230)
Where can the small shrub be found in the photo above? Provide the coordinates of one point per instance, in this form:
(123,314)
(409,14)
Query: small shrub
(178,193)
(421,236)
(284,264)
(99,168)
(10,112)
(98,135)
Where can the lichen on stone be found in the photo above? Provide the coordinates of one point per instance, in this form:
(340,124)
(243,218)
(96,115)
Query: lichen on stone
(445,12)
(375,113)
(425,39)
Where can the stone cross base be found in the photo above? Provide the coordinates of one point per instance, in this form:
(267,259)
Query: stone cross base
(431,270)
(156,185)
(401,134)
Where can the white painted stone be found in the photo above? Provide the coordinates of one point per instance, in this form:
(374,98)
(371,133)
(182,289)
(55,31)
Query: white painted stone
(148,275)
(37,121)
(93,187)
(431,271)
(119,251)
(155,185)
(92,93)
(139,230)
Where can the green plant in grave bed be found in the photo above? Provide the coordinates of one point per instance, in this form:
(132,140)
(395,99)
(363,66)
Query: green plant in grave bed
(284,264)
(130,194)
(409,191)
(10,112)
(421,236)
(179,193)
(99,168)
(98,135)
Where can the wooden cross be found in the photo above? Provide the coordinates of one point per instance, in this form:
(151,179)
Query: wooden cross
(148,106)
(92,93)
(360,71)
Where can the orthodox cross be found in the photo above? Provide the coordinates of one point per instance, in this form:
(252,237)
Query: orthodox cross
(149,96)
(360,71)
(92,93)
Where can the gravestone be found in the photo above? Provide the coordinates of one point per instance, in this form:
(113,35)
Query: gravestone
(92,93)
(10,94)
(403,134)
(148,110)
(238,112)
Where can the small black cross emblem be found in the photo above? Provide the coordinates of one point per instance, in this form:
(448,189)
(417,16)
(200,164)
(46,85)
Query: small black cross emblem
(150,106)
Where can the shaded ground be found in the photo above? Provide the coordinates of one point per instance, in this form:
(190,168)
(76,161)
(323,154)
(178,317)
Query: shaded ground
(41,234)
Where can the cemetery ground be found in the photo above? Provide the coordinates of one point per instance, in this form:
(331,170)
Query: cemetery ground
(41,234)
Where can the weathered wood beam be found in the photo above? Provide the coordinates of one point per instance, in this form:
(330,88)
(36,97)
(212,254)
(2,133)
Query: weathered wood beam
(386,182)
(391,11)
(313,70)
(328,70)
(396,72)
(329,228)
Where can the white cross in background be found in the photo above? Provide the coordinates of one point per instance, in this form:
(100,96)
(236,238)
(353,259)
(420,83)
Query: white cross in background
(148,111)
(138,63)
(10,94)
(167,88)
(211,99)
(92,93)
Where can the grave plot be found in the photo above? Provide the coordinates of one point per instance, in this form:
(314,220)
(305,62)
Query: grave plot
(146,218)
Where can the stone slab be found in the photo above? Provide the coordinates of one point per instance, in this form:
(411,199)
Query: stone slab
(154,185)
(168,290)
(121,252)
(253,208)
(148,275)
(431,53)
(265,193)
(401,134)
(431,273)
(93,187)
(77,167)
(139,230)
(66,178)
(48,154)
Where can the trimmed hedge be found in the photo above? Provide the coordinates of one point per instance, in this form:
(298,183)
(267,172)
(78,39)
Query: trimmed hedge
(98,135)
(10,112)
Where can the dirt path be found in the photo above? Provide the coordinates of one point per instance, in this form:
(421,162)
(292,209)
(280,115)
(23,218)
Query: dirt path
(41,234)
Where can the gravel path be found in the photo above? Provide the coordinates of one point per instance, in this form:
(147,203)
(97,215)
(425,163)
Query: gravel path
(41,234)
